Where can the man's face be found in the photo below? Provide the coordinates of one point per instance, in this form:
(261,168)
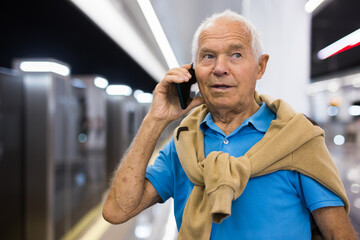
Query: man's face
(225,68)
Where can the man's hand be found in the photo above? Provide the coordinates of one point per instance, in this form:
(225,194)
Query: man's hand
(166,106)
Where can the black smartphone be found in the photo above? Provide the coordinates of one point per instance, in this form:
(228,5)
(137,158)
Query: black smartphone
(184,89)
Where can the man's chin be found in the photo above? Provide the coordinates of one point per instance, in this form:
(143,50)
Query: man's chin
(221,104)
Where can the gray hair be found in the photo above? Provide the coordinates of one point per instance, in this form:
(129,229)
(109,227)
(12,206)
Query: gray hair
(256,43)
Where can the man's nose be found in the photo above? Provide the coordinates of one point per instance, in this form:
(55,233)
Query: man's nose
(221,66)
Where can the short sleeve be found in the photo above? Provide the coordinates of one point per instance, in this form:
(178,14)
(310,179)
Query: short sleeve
(160,174)
(315,195)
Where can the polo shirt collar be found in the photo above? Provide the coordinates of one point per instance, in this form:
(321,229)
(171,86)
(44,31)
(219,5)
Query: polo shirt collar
(260,120)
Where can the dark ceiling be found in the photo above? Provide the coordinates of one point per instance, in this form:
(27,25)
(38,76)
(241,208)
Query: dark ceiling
(338,19)
(57,29)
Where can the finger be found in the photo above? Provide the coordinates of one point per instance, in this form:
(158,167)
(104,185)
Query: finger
(175,79)
(186,66)
(179,71)
(177,75)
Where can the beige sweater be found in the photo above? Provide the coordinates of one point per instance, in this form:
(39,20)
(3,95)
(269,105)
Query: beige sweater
(292,142)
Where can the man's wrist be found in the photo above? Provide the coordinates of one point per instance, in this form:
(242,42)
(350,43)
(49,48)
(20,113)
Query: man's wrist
(152,122)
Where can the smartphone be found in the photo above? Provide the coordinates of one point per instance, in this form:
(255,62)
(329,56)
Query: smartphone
(184,89)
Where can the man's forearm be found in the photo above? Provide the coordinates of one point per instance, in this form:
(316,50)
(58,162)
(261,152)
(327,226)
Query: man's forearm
(127,187)
(334,223)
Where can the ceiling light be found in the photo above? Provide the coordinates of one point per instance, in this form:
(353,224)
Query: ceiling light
(158,33)
(354,110)
(311,5)
(353,174)
(138,93)
(114,22)
(120,90)
(101,82)
(142,97)
(350,41)
(339,140)
(44,66)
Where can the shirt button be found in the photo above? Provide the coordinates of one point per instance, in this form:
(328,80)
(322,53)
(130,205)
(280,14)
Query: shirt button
(226,141)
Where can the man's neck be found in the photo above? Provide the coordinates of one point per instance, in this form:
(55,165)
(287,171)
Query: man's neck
(229,120)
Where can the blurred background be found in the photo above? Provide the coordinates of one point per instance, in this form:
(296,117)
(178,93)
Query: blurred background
(76,78)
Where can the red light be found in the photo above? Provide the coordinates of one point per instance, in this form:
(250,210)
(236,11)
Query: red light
(344,49)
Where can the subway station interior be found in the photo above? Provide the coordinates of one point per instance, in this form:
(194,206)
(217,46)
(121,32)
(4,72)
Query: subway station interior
(76,81)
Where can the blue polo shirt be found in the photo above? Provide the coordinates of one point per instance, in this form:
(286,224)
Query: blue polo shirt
(273,206)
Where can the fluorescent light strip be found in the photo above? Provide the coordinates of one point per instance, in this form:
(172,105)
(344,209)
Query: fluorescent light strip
(121,90)
(113,22)
(311,5)
(350,41)
(144,97)
(101,82)
(44,66)
(158,33)
(354,110)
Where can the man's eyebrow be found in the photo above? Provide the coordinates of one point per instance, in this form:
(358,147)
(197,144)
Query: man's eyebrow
(231,47)
(236,46)
(205,49)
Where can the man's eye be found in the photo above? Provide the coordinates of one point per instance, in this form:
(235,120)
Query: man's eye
(208,56)
(236,55)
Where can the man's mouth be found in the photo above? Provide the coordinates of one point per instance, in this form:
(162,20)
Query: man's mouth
(220,86)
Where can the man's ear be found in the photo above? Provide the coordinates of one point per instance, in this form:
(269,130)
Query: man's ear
(262,65)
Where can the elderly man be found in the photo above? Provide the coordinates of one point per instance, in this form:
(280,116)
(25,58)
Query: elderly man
(241,165)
